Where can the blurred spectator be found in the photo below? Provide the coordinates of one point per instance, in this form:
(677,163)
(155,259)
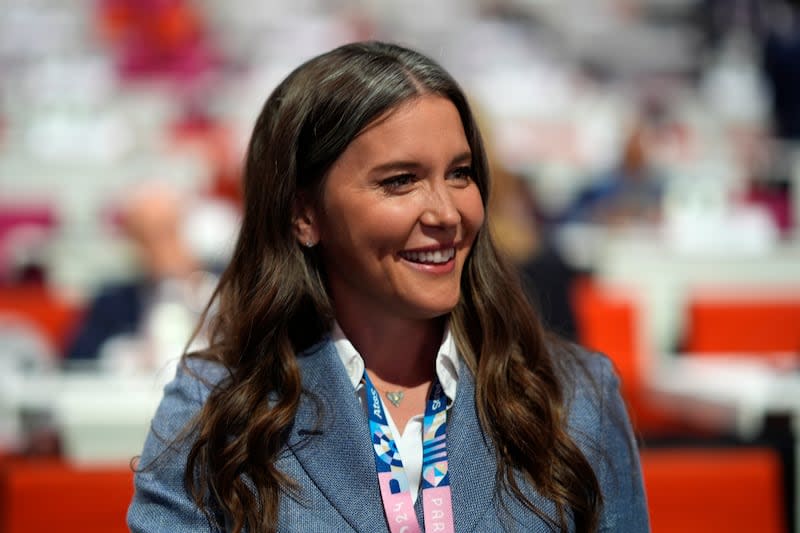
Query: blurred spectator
(628,194)
(774,25)
(781,56)
(130,322)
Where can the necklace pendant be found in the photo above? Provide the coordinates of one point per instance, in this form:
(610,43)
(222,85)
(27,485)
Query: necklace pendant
(395,397)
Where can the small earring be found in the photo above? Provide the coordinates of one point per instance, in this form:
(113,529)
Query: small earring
(309,244)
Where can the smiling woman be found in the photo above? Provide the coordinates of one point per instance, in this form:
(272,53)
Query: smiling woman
(374,365)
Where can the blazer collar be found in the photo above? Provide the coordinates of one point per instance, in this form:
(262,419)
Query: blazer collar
(331,440)
(472,457)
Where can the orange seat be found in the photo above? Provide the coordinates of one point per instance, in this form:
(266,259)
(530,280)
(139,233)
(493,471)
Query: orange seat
(756,321)
(53,316)
(702,490)
(607,321)
(45,495)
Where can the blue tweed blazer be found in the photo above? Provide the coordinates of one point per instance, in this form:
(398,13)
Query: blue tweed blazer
(329,454)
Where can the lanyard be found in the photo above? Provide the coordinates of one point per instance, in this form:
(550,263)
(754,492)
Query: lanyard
(397,503)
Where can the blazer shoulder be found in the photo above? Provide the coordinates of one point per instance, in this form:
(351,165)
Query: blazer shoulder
(585,375)
(160,501)
(591,391)
(197,378)
(598,422)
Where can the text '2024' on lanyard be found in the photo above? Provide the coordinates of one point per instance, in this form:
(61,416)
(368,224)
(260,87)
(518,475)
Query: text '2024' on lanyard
(397,503)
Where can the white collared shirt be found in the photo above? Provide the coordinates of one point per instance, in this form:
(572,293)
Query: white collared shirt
(409,442)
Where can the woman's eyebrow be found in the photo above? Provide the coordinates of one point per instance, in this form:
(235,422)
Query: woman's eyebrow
(400,164)
(462,158)
(395,165)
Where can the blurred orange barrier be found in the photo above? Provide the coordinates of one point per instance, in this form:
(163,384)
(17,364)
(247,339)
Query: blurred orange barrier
(42,495)
(754,322)
(607,321)
(695,490)
(53,316)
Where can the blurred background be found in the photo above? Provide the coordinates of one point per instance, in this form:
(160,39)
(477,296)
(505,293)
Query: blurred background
(646,158)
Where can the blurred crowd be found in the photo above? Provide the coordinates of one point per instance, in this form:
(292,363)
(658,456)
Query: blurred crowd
(123,122)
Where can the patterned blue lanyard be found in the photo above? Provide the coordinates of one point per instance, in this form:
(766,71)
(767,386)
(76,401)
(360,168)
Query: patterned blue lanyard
(395,493)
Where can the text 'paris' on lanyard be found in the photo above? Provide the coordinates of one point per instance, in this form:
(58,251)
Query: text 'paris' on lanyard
(395,493)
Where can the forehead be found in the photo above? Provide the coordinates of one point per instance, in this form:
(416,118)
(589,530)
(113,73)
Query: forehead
(425,124)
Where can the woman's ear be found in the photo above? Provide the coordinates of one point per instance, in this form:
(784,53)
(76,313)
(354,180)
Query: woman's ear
(305,223)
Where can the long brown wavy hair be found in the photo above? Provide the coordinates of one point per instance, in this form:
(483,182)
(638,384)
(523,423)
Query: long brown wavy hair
(271,303)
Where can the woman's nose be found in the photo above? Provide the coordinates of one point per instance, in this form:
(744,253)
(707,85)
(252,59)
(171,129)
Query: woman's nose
(441,209)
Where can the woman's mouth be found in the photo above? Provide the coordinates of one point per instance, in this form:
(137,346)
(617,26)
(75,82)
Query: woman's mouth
(431,257)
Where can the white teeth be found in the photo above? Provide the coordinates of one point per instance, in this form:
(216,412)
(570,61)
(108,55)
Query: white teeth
(437,257)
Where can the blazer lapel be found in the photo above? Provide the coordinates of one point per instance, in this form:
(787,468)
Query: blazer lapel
(331,440)
(473,469)
(470,457)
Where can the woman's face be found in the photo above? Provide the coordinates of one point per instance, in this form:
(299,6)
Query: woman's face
(399,213)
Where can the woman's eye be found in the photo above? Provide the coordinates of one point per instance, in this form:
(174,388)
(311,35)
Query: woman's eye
(464,173)
(397,182)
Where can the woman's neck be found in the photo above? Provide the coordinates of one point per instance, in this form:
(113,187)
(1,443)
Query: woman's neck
(398,352)
(399,357)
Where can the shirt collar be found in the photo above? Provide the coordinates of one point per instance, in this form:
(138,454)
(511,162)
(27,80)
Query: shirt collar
(448,362)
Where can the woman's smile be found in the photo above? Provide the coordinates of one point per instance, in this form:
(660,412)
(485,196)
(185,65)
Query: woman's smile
(437,256)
